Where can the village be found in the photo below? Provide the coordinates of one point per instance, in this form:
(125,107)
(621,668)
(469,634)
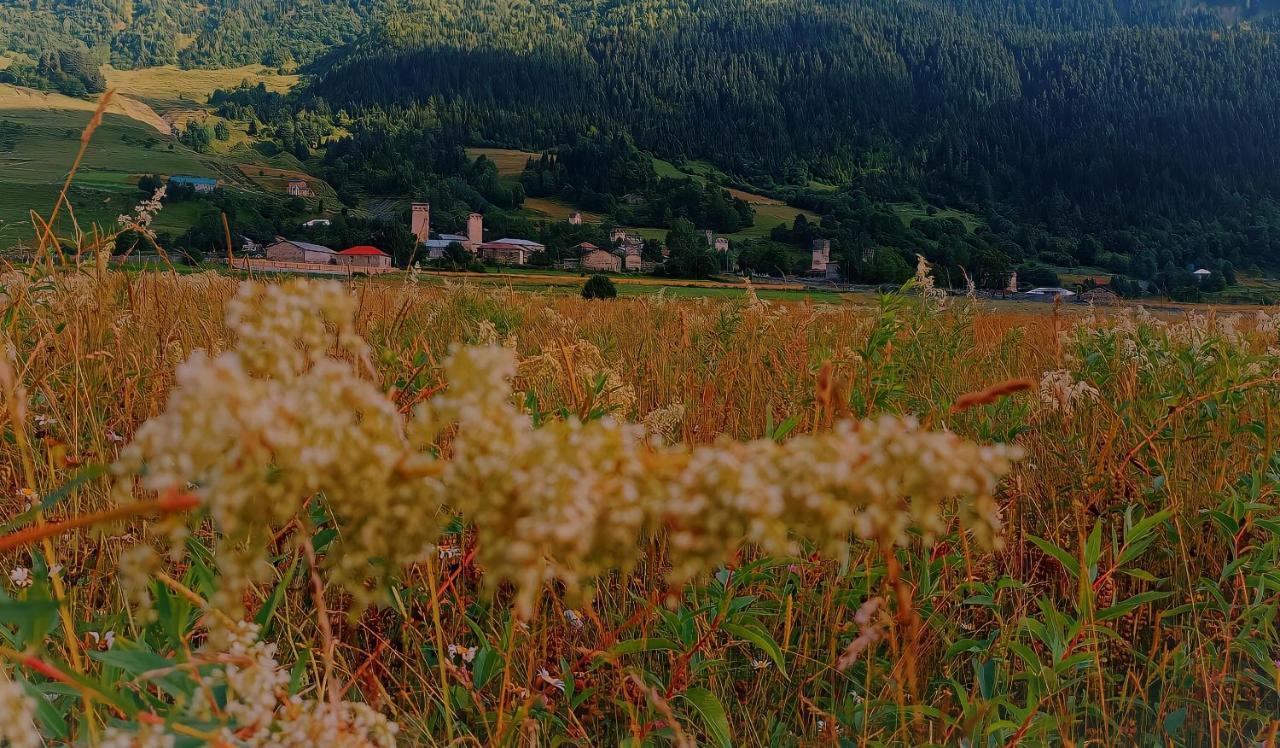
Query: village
(623,254)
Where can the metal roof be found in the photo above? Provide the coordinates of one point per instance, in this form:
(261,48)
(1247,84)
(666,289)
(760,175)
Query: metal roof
(309,247)
(180,179)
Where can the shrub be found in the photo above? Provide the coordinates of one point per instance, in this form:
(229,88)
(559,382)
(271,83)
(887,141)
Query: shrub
(599,287)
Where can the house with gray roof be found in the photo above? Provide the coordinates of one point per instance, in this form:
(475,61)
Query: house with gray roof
(289,250)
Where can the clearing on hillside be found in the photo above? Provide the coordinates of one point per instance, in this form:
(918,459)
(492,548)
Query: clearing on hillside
(168,88)
(510,162)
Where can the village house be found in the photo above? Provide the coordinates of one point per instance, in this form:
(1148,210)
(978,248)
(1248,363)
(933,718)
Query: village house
(365,256)
(718,243)
(299,188)
(529,245)
(503,252)
(598,260)
(575,218)
(201,185)
(288,250)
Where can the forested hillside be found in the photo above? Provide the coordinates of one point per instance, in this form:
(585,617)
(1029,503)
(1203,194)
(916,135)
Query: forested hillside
(1081,117)
(212,33)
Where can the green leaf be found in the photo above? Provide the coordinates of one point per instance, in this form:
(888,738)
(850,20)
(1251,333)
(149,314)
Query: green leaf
(755,634)
(487,663)
(51,499)
(965,646)
(263,618)
(711,711)
(1093,549)
(35,617)
(139,663)
(1173,722)
(1120,609)
(633,646)
(1066,559)
(50,718)
(86,474)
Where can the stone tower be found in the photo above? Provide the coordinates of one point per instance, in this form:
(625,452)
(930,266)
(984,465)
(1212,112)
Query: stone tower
(475,231)
(821,255)
(420,224)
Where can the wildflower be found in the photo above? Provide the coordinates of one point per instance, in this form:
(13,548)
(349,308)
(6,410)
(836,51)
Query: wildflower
(759,664)
(147,736)
(546,677)
(869,633)
(44,421)
(144,213)
(29,494)
(102,642)
(21,577)
(466,653)
(1059,392)
(17,716)
(568,501)
(663,424)
(114,438)
(291,420)
(574,618)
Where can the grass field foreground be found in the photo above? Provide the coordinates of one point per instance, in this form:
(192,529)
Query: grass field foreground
(484,514)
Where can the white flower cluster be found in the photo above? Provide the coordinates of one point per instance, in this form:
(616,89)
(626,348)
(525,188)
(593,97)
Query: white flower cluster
(1060,393)
(144,213)
(147,736)
(263,427)
(265,717)
(17,717)
(569,501)
(664,423)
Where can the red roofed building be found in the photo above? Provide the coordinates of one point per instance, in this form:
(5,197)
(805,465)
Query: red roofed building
(365,256)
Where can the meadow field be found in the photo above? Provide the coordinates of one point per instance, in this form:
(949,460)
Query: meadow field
(374,513)
(167,88)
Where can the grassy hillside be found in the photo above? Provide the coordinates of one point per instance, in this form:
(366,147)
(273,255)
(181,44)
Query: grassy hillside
(133,139)
(510,162)
(47,138)
(168,88)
